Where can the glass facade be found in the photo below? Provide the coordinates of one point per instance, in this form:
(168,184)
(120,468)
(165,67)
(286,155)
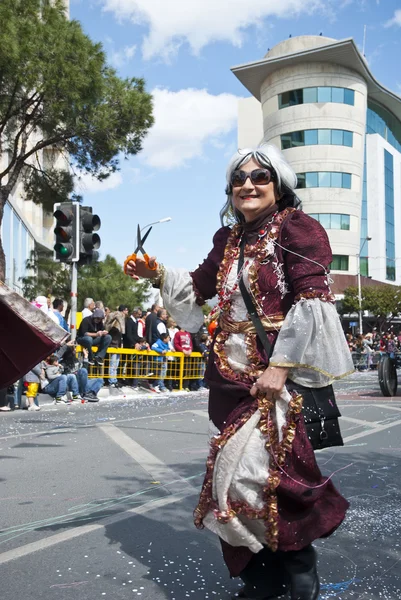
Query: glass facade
(316,94)
(312,137)
(389,213)
(324,179)
(381,121)
(332,220)
(339,262)
(17,245)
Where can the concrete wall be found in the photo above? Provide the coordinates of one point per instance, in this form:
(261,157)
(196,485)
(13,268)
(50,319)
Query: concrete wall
(250,123)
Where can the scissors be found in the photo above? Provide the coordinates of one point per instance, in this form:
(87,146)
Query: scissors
(140,248)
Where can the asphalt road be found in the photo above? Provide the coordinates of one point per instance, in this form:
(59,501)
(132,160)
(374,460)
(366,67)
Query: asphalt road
(97,501)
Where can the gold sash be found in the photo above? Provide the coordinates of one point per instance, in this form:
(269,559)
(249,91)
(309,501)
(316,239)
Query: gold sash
(270,323)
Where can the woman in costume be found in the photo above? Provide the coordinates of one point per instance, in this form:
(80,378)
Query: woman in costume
(263,492)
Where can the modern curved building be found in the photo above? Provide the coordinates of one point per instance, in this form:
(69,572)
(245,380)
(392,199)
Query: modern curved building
(316,99)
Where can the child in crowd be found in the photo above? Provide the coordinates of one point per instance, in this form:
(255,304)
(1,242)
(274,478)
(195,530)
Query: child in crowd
(54,373)
(162,346)
(32,378)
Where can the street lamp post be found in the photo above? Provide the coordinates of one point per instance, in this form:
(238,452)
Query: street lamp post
(156,222)
(367,239)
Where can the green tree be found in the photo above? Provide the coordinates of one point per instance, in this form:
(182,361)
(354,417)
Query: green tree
(46,278)
(104,280)
(57,93)
(383,302)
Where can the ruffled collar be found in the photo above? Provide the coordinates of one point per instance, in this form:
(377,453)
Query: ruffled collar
(251,229)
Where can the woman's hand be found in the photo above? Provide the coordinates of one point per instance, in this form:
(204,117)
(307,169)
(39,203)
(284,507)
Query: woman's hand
(139,268)
(270,383)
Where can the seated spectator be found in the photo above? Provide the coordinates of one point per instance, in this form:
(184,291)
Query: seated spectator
(88,388)
(115,325)
(32,378)
(92,333)
(53,371)
(89,307)
(58,307)
(57,387)
(162,346)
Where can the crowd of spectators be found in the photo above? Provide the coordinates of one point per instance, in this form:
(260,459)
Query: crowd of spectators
(367,348)
(64,375)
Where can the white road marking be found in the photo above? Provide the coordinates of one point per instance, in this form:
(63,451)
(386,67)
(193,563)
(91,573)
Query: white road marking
(84,530)
(358,421)
(156,468)
(356,436)
(387,406)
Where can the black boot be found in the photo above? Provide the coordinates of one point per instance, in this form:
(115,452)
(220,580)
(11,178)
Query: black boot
(265,577)
(301,566)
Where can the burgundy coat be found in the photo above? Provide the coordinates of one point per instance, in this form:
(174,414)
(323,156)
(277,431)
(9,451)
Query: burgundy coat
(313,508)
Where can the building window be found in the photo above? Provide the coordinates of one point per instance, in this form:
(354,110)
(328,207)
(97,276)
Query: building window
(364,266)
(339,262)
(389,214)
(332,220)
(324,179)
(381,121)
(311,137)
(316,94)
(17,244)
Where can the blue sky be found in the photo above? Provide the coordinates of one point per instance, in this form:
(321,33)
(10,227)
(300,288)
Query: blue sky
(184,49)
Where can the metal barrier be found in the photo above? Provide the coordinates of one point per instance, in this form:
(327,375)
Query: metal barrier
(127,364)
(364,361)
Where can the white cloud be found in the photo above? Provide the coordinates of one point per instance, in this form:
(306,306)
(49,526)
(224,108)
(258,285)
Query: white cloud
(184,122)
(396,20)
(118,58)
(89,185)
(199,22)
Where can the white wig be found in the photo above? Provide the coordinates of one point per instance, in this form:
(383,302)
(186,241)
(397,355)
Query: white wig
(269,157)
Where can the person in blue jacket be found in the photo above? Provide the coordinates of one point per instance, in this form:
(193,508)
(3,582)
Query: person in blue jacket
(162,346)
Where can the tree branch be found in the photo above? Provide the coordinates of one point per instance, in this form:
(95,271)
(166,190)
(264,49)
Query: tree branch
(20,108)
(15,158)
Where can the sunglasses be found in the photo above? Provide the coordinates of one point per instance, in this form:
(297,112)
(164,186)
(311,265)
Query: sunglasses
(257,176)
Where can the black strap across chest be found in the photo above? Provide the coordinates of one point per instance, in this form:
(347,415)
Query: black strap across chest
(250,306)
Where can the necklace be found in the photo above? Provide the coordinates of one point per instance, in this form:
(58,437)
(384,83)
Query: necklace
(225,293)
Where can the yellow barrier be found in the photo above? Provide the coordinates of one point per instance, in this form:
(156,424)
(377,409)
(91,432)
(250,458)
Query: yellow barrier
(174,368)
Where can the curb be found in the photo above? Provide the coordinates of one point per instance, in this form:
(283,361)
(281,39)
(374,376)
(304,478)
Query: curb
(126,395)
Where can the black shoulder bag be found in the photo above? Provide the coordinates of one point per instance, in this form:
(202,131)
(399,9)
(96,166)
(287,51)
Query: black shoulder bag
(320,410)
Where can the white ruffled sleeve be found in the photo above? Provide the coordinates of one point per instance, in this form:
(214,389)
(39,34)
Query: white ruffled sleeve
(180,300)
(311,343)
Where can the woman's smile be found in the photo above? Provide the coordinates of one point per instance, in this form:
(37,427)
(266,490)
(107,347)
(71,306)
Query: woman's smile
(251,199)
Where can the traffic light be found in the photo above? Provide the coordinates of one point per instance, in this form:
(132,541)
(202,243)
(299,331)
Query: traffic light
(66,232)
(89,242)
